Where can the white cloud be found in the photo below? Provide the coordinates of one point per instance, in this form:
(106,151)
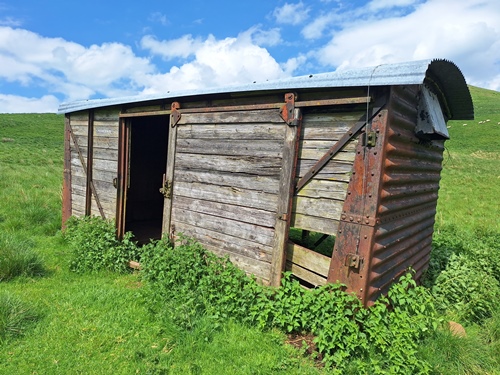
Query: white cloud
(184,46)
(217,63)
(160,18)
(466,32)
(291,14)
(316,28)
(264,38)
(376,5)
(75,72)
(10,21)
(20,104)
(294,63)
(66,67)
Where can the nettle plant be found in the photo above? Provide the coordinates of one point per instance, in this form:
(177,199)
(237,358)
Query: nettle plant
(188,281)
(94,246)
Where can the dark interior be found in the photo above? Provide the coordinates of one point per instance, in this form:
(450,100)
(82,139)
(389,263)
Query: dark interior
(148,158)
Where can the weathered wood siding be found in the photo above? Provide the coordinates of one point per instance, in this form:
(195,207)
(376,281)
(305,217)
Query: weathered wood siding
(79,126)
(104,161)
(226,181)
(318,205)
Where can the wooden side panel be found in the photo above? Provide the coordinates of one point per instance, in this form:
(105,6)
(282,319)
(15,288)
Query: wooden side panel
(318,205)
(226,183)
(105,159)
(78,123)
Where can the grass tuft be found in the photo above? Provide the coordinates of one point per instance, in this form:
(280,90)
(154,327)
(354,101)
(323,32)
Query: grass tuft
(16,317)
(17,258)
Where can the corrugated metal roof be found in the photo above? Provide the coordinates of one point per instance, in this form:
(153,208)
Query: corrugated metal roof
(444,73)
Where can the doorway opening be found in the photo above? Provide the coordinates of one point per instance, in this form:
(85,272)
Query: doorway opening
(147,158)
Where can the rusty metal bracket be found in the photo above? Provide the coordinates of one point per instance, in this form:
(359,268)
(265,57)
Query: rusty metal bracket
(288,112)
(335,149)
(175,115)
(350,218)
(166,188)
(354,261)
(371,139)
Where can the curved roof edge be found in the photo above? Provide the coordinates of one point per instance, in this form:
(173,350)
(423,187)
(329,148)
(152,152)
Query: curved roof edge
(445,74)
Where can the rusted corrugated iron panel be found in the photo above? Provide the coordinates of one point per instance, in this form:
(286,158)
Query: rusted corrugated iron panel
(408,196)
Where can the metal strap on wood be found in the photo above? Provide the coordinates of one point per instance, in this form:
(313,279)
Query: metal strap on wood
(82,161)
(335,149)
(252,107)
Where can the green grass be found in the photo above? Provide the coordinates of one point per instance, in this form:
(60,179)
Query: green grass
(98,324)
(470,184)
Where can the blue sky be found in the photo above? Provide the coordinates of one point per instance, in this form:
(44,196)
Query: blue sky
(59,51)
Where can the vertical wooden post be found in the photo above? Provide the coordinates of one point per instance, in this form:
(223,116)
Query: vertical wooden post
(122,177)
(293,118)
(90,158)
(168,184)
(67,209)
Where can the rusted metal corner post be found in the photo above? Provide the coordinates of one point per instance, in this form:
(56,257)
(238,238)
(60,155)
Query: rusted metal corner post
(350,263)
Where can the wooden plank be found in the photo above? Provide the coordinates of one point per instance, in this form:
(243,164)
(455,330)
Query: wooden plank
(228,211)
(106,165)
(261,270)
(253,165)
(107,114)
(304,274)
(336,170)
(318,207)
(223,194)
(250,132)
(308,259)
(225,242)
(339,119)
(324,189)
(262,148)
(250,232)
(108,208)
(99,131)
(318,154)
(79,116)
(104,188)
(106,130)
(324,144)
(77,212)
(315,224)
(101,142)
(232,117)
(76,170)
(102,153)
(80,129)
(266,184)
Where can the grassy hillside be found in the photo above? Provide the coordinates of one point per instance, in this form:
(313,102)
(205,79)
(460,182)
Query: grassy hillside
(98,324)
(470,184)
